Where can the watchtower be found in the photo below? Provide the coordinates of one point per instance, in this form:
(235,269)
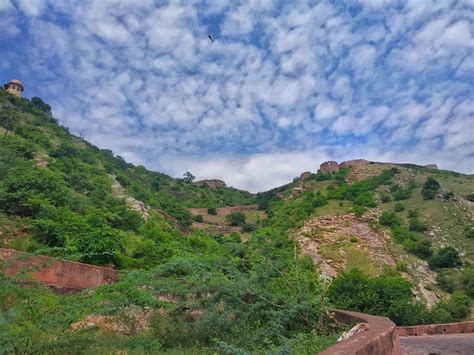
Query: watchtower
(14,87)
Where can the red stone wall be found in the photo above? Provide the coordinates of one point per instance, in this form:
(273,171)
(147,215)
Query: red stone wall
(355,162)
(59,274)
(431,329)
(380,338)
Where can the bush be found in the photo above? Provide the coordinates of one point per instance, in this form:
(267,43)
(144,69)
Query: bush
(447,257)
(456,308)
(415,225)
(421,248)
(412,213)
(467,281)
(247,228)
(358,210)
(212,211)
(445,281)
(384,197)
(197,218)
(448,195)
(430,188)
(469,231)
(389,219)
(398,207)
(386,295)
(470,197)
(235,219)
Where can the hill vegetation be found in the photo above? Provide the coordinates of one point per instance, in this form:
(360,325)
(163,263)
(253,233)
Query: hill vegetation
(189,285)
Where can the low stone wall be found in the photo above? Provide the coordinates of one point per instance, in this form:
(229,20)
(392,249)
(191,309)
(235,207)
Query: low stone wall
(64,276)
(432,329)
(380,338)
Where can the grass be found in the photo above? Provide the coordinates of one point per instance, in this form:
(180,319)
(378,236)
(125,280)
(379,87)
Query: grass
(357,259)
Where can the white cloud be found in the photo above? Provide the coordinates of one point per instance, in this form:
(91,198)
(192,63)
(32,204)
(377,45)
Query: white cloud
(314,79)
(32,7)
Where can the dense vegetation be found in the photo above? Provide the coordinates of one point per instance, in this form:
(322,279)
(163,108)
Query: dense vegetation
(194,292)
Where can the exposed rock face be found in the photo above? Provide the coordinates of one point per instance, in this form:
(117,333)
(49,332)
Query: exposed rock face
(212,183)
(330,166)
(132,203)
(431,166)
(355,162)
(305,175)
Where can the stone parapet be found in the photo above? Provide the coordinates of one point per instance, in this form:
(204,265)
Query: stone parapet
(380,338)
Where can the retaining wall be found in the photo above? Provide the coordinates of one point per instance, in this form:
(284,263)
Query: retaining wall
(64,276)
(380,338)
(431,329)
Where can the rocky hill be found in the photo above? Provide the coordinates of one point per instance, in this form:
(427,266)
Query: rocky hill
(209,268)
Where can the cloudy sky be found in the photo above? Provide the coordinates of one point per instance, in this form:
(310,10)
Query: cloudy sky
(285,85)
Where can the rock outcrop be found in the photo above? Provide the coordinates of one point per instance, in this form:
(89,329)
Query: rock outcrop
(212,183)
(354,162)
(305,175)
(330,166)
(431,166)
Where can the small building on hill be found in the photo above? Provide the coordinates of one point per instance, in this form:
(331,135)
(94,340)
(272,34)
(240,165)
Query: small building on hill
(14,87)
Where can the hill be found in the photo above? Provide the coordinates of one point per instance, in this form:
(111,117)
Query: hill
(207,268)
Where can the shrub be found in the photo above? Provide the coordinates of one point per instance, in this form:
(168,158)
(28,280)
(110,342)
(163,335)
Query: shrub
(212,211)
(445,282)
(470,197)
(235,219)
(358,210)
(448,195)
(469,231)
(197,218)
(430,188)
(415,225)
(398,207)
(447,257)
(421,248)
(384,197)
(247,228)
(389,219)
(354,239)
(456,308)
(412,213)
(467,281)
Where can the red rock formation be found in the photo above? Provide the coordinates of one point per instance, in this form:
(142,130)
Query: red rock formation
(212,183)
(305,175)
(329,167)
(64,276)
(354,162)
(431,166)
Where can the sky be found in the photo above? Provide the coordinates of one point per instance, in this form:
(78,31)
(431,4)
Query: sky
(284,86)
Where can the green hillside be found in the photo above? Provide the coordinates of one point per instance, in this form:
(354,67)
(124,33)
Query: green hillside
(200,277)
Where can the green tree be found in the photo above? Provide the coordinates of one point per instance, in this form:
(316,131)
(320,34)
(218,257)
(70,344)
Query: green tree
(389,219)
(430,188)
(188,177)
(235,219)
(446,257)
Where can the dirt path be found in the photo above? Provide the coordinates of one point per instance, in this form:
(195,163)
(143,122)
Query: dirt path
(444,344)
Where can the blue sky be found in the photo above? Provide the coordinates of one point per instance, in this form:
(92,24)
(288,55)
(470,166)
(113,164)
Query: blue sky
(285,86)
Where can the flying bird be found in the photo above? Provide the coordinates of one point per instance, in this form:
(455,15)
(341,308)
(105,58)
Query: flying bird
(210,37)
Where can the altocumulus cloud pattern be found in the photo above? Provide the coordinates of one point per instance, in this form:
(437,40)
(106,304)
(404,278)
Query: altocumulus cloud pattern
(284,86)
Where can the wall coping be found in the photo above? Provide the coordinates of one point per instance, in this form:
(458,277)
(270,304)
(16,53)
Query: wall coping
(380,338)
(432,329)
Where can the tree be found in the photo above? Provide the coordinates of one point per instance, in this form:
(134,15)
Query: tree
(188,177)
(389,219)
(235,219)
(446,257)
(430,188)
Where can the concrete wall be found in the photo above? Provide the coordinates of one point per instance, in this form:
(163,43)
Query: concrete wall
(380,338)
(66,276)
(431,329)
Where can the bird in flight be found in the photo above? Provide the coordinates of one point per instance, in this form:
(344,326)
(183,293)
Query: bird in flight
(210,37)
